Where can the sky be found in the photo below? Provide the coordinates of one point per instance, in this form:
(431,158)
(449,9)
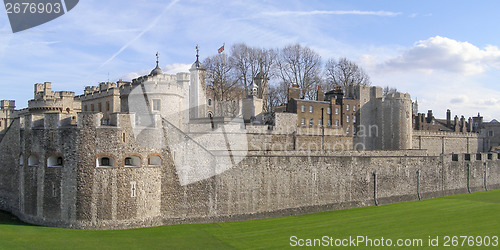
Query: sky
(446,54)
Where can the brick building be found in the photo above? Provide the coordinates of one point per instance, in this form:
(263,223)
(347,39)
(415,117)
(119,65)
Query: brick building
(330,110)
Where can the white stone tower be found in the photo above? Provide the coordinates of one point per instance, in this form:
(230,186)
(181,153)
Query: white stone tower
(197,85)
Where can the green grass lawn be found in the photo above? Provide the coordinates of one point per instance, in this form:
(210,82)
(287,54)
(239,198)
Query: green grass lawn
(476,214)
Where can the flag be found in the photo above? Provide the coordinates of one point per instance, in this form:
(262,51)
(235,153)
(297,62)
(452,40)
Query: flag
(221,49)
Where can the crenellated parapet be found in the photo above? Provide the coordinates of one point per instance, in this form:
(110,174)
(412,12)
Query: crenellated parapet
(88,120)
(444,133)
(48,121)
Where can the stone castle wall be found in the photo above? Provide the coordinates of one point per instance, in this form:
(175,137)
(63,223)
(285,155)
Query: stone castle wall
(83,194)
(437,143)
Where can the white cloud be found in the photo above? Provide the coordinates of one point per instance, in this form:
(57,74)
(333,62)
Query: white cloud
(176,68)
(459,99)
(442,73)
(130,76)
(445,54)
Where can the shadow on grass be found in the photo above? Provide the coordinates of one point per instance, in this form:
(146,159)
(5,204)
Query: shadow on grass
(7,218)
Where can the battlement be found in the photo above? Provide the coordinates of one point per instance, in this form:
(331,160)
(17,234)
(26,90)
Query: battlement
(104,87)
(165,84)
(89,119)
(398,95)
(443,134)
(48,120)
(93,92)
(161,77)
(7,104)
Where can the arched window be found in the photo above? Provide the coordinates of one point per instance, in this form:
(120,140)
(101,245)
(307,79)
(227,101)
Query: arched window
(209,102)
(55,161)
(21,160)
(132,161)
(154,161)
(105,161)
(33,161)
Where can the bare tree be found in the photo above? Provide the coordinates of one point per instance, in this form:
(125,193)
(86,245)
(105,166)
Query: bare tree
(266,60)
(344,73)
(243,62)
(302,66)
(224,84)
(277,95)
(388,90)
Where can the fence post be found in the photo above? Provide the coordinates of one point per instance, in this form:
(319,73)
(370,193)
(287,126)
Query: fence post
(418,185)
(485,176)
(375,188)
(468,177)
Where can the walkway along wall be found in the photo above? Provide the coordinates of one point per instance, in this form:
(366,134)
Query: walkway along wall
(82,194)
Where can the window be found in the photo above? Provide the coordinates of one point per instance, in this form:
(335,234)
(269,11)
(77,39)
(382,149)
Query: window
(328,110)
(209,102)
(128,161)
(347,107)
(347,130)
(353,130)
(303,121)
(320,122)
(490,133)
(353,118)
(108,107)
(33,161)
(154,160)
(99,107)
(336,111)
(303,108)
(329,122)
(347,119)
(133,189)
(156,104)
(311,121)
(92,107)
(336,122)
(54,190)
(354,108)
(105,161)
(310,109)
(132,161)
(85,108)
(55,161)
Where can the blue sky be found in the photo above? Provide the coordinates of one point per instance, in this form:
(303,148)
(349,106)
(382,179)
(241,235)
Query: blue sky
(445,53)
